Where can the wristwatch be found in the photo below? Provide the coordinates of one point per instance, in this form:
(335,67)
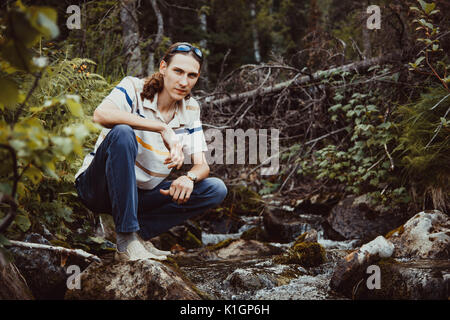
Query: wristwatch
(191,176)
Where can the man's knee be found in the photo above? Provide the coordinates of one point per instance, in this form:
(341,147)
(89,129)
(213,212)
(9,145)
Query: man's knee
(218,189)
(123,134)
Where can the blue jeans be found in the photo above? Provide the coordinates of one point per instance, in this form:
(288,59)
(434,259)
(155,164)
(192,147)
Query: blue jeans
(108,185)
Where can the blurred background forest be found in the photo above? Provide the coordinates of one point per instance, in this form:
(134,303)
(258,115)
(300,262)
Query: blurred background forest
(360,111)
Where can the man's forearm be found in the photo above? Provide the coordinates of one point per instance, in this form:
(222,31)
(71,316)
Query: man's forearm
(201,171)
(108,116)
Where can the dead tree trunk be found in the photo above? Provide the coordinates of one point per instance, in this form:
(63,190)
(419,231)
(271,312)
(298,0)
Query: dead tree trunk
(255,33)
(204,45)
(359,66)
(158,38)
(130,34)
(367,45)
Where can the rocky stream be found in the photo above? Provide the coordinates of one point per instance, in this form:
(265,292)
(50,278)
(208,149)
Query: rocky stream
(285,252)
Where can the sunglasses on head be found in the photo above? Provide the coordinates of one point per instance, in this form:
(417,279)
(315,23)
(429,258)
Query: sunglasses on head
(186,47)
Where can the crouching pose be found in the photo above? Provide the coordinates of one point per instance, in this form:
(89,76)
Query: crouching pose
(149,125)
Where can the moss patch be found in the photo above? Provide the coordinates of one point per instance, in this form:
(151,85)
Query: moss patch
(243,201)
(191,241)
(220,245)
(305,254)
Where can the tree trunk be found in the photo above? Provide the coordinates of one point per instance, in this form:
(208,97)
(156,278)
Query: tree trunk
(158,38)
(367,46)
(255,33)
(204,45)
(359,66)
(130,34)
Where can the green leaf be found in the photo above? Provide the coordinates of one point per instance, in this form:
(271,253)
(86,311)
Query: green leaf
(18,56)
(10,93)
(21,28)
(419,60)
(335,107)
(429,7)
(23,222)
(74,106)
(423,4)
(34,174)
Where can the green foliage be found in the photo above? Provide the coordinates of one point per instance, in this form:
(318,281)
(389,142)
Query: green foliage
(424,145)
(362,162)
(429,61)
(43,122)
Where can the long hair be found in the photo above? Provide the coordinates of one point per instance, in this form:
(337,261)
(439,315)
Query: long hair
(155,83)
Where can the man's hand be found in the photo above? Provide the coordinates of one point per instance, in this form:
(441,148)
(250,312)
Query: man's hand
(180,190)
(176,158)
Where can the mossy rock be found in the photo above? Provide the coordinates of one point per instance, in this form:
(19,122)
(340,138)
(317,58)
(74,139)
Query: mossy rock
(306,254)
(300,238)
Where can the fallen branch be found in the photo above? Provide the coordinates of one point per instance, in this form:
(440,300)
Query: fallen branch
(352,67)
(38,246)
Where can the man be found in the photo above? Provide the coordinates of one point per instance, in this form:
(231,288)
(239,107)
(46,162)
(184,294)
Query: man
(149,124)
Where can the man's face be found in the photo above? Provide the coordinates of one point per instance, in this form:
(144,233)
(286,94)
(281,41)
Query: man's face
(180,76)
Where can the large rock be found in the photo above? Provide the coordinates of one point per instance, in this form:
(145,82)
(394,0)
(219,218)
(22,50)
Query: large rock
(356,218)
(409,280)
(46,272)
(132,280)
(250,280)
(246,248)
(284,226)
(426,235)
(350,270)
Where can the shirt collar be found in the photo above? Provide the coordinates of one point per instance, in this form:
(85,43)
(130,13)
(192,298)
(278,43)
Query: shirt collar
(180,117)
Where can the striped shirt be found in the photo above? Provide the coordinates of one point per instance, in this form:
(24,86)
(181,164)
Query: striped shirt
(149,166)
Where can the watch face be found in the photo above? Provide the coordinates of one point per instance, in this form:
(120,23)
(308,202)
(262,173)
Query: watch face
(192,176)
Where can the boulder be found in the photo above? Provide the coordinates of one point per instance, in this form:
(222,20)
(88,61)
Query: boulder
(248,280)
(284,226)
(132,280)
(46,272)
(423,279)
(350,270)
(355,218)
(426,235)
(246,248)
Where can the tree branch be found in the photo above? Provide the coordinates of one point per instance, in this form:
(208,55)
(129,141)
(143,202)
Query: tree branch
(76,252)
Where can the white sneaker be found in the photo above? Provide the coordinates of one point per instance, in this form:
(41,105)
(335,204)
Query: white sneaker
(152,249)
(135,251)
